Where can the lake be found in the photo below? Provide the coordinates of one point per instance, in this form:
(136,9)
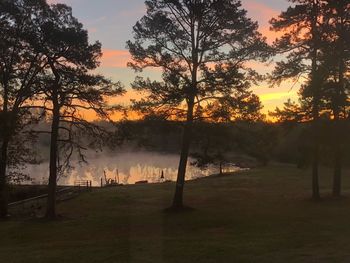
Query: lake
(125,168)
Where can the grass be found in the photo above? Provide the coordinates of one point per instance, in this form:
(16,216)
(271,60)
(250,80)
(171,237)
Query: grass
(21,192)
(262,215)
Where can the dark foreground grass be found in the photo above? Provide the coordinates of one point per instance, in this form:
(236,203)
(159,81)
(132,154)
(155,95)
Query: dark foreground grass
(263,215)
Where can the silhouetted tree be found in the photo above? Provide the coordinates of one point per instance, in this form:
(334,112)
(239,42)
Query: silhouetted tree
(243,107)
(202,48)
(214,132)
(68,88)
(291,112)
(20,65)
(302,42)
(213,144)
(336,59)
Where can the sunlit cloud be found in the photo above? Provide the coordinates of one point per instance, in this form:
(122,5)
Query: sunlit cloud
(92,29)
(59,1)
(125,101)
(260,11)
(127,98)
(279,96)
(115,58)
(134,13)
(271,36)
(263,14)
(260,67)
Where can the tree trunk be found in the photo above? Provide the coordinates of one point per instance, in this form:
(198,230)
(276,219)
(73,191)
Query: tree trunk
(337,171)
(186,141)
(3,179)
(51,199)
(316,149)
(315,164)
(338,129)
(337,134)
(4,151)
(315,103)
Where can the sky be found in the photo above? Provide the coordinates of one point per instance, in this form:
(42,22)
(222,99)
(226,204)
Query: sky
(111,22)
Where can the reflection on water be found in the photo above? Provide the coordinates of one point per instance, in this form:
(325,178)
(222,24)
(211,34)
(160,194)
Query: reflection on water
(127,168)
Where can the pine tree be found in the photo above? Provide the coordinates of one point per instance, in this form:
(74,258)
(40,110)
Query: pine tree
(336,59)
(68,86)
(301,44)
(202,48)
(20,65)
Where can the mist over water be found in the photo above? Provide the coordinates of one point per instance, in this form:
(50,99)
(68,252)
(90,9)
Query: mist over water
(125,167)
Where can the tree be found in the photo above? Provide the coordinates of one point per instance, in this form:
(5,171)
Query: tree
(213,144)
(201,47)
(301,43)
(68,87)
(336,59)
(292,112)
(20,65)
(213,133)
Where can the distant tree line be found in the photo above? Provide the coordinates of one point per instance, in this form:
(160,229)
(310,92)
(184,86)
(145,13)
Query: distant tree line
(243,143)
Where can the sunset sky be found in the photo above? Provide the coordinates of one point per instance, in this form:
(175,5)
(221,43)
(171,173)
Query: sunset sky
(111,22)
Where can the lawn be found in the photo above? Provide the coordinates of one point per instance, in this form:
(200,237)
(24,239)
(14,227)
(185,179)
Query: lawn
(262,215)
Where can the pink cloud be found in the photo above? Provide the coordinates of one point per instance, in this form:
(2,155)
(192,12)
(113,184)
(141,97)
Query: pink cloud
(263,14)
(57,1)
(92,29)
(259,11)
(115,58)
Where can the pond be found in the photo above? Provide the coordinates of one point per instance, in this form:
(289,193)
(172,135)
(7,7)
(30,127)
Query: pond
(125,168)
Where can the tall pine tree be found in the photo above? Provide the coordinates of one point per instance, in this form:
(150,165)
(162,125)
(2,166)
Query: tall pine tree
(301,45)
(202,48)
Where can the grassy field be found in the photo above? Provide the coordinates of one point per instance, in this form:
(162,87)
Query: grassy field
(262,215)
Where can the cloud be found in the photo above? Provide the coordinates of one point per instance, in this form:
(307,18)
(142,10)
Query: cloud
(92,30)
(271,36)
(260,67)
(58,1)
(113,58)
(262,13)
(118,59)
(138,12)
(124,101)
(277,96)
(259,11)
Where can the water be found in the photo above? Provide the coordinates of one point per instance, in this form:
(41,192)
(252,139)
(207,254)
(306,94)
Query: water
(126,167)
